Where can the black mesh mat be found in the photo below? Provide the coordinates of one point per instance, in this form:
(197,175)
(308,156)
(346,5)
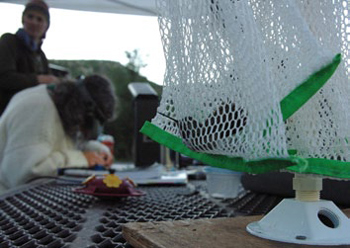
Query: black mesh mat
(49,214)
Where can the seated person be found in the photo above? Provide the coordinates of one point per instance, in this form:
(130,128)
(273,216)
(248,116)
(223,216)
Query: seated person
(47,127)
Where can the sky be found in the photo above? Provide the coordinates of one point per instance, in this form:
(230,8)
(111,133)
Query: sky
(75,35)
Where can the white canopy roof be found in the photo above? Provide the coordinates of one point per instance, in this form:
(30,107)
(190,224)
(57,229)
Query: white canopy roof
(131,7)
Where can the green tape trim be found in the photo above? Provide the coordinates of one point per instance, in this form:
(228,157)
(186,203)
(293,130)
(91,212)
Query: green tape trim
(301,94)
(232,163)
(325,167)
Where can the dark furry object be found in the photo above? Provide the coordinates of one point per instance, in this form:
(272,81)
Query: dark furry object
(224,122)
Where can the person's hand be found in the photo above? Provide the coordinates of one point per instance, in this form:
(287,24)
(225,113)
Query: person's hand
(47,79)
(102,158)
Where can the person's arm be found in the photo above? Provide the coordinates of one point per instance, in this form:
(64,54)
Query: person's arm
(9,51)
(37,160)
(10,76)
(47,79)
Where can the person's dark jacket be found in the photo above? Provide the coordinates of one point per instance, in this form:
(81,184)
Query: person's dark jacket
(19,66)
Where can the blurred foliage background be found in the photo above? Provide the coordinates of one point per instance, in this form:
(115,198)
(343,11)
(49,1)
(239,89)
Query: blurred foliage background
(122,127)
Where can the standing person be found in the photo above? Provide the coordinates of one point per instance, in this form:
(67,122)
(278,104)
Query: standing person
(22,62)
(47,127)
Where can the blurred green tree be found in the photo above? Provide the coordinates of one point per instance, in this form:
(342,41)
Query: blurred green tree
(135,61)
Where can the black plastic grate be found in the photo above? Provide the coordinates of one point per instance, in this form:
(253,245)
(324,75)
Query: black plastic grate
(51,215)
(251,203)
(160,204)
(44,216)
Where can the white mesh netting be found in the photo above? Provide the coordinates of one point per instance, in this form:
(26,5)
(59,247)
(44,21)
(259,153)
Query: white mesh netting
(229,63)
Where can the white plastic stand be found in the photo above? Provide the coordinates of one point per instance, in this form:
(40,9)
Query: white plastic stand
(306,219)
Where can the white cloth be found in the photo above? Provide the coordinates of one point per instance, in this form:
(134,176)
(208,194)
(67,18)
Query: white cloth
(32,139)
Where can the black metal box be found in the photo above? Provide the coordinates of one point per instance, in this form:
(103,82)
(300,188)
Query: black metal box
(145,104)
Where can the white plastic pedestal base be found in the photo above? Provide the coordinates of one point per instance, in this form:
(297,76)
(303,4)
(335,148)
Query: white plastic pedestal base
(311,223)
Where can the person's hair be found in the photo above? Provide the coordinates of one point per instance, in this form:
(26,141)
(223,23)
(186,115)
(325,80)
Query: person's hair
(71,101)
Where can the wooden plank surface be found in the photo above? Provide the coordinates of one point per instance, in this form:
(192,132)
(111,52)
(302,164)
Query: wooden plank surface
(202,233)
